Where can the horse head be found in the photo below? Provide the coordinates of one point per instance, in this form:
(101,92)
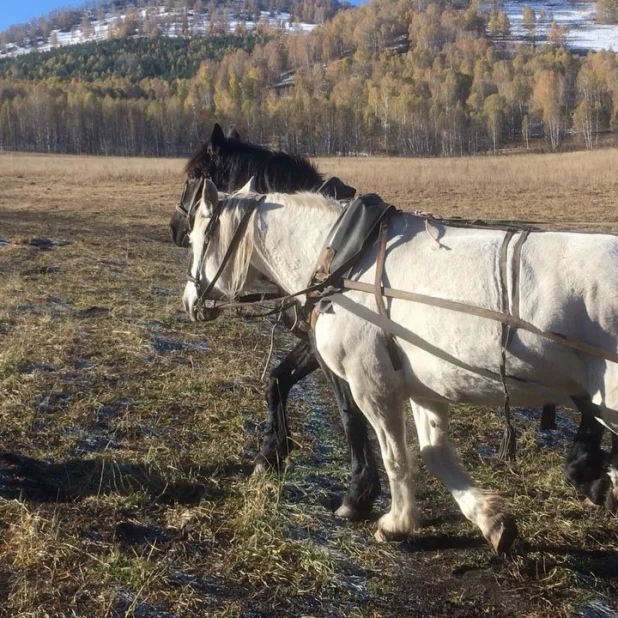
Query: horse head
(221,239)
(206,163)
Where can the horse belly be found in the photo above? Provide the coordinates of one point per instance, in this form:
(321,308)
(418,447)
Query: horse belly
(472,374)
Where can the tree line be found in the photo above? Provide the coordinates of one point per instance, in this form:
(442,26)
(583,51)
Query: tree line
(410,77)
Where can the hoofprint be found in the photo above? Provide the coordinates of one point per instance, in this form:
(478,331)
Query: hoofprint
(568,284)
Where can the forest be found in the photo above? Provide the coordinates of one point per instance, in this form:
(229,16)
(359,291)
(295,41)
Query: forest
(132,58)
(408,77)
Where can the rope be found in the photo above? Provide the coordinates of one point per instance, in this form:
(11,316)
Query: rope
(424,214)
(272,345)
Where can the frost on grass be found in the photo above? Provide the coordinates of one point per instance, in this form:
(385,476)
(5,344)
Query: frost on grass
(598,607)
(167,345)
(47,244)
(558,439)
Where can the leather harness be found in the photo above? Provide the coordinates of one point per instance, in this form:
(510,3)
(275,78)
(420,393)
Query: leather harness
(328,284)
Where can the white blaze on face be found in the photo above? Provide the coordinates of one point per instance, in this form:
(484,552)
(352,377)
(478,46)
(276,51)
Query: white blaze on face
(196,237)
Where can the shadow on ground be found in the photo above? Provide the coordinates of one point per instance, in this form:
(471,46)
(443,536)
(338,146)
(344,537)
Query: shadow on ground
(72,479)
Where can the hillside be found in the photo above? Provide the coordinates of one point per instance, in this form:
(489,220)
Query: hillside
(155,18)
(135,58)
(583,26)
(392,76)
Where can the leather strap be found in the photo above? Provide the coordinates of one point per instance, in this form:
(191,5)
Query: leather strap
(380,259)
(516,271)
(490,314)
(508,444)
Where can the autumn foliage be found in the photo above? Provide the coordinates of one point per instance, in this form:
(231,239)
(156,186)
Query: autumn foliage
(413,77)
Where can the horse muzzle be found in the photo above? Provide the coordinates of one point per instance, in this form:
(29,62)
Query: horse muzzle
(179,230)
(197,310)
(205,313)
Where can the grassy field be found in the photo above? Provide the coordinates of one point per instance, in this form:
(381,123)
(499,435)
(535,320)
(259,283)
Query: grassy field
(128,432)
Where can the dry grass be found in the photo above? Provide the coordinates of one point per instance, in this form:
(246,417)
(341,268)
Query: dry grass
(81,170)
(131,431)
(564,188)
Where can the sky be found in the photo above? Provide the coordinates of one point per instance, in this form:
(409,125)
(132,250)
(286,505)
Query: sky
(20,11)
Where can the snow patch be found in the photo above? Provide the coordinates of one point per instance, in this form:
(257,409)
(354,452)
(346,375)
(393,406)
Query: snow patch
(579,17)
(101,30)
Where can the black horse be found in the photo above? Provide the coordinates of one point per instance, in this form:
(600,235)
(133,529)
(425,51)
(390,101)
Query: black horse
(230,163)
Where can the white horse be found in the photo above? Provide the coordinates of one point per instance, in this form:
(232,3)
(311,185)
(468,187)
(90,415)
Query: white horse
(568,284)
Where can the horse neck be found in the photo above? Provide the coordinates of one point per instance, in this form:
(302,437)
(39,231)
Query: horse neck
(287,174)
(278,172)
(289,234)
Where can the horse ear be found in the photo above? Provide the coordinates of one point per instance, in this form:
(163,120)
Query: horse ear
(250,187)
(210,195)
(217,139)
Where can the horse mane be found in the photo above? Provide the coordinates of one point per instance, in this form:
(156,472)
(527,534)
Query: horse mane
(234,161)
(237,272)
(306,200)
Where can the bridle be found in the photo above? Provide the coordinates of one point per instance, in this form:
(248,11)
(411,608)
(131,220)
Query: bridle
(209,233)
(187,206)
(190,199)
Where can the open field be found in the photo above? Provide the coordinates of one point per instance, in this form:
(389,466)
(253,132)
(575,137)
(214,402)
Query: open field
(131,431)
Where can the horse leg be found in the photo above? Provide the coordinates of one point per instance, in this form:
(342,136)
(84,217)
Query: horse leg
(611,502)
(586,466)
(548,417)
(277,442)
(365,483)
(383,406)
(484,509)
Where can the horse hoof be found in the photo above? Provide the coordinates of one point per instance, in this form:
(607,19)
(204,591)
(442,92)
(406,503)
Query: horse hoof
(611,501)
(347,512)
(380,537)
(503,533)
(388,536)
(395,529)
(263,466)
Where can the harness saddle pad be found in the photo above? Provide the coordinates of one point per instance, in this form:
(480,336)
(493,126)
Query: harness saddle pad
(353,230)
